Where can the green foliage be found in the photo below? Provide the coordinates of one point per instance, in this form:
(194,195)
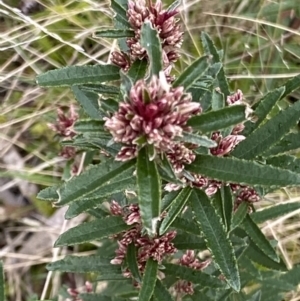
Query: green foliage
(2,283)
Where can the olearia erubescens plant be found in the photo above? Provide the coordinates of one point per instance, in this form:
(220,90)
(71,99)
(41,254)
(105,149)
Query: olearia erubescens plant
(182,162)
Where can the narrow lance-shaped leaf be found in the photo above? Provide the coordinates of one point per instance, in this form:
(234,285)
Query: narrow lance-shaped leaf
(149,280)
(101,89)
(151,42)
(114,33)
(258,238)
(93,230)
(217,241)
(274,212)
(175,209)
(217,101)
(192,73)
(227,199)
(86,183)
(241,171)
(2,283)
(219,119)
(121,16)
(137,70)
(149,191)
(161,292)
(187,225)
(265,136)
(289,162)
(166,171)
(198,140)
(78,75)
(186,241)
(239,215)
(93,297)
(131,258)
(195,276)
(89,126)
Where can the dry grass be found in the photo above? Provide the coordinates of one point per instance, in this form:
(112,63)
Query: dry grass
(260,52)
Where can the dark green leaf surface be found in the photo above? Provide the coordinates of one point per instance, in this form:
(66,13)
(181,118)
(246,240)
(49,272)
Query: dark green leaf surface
(197,139)
(166,171)
(121,14)
(187,241)
(151,42)
(93,297)
(274,212)
(114,33)
(220,119)
(195,276)
(258,238)
(93,230)
(49,194)
(2,283)
(215,235)
(89,126)
(187,225)
(227,203)
(291,85)
(79,75)
(241,171)
(175,209)
(149,280)
(100,89)
(92,179)
(137,70)
(161,293)
(149,191)
(265,136)
(217,101)
(192,73)
(239,215)
(131,258)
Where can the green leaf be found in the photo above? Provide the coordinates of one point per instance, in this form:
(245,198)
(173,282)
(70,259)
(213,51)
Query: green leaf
(89,126)
(174,5)
(192,73)
(265,136)
(114,33)
(187,241)
(239,215)
(94,230)
(197,139)
(93,297)
(151,42)
(227,199)
(166,170)
(92,180)
(131,258)
(2,283)
(49,193)
(149,280)
(274,212)
(211,49)
(258,238)
(175,209)
(289,162)
(288,143)
(235,170)
(291,85)
(78,75)
(187,225)
(121,13)
(161,293)
(168,199)
(88,101)
(149,191)
(195,276)
(265,106)
(217,101)
(81,264)
(292,276)
(217,241)
(137,70)
(220,119)
(100,89)
(258,256)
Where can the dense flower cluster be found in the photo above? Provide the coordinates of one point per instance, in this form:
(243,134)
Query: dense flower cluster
(154,114)
(164,21)
(156,247)
(189,259)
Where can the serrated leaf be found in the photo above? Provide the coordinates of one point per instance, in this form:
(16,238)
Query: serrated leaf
(187,241)
(93,230)
(187,225)
(265,136)
(239,215)
(151,42)
(100,89)
(216,238)
(114,33)
(137,70)
(91,180)
(291,85)
(258,238)
(81,264)
(220,119)
(175,209)
(131,259)
(192,73)
(78,75)
(241,171)
(274,212)
(288,143)
(203,141)
(49,193)
(2,283)
(264,107)
(89,126)
(161,293)
(210,48)
(88,101)
(195,276)
(149,191)
(93,297)
(289,162)
(149,280)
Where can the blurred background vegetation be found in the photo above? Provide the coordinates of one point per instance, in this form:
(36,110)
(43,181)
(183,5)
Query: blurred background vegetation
(261,42)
